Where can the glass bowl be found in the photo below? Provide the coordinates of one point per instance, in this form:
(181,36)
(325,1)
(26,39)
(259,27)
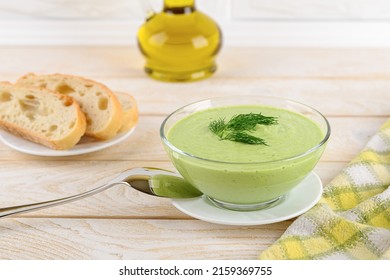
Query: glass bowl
(223,174)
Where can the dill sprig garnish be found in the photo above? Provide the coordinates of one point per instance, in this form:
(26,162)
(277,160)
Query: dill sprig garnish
(236,128)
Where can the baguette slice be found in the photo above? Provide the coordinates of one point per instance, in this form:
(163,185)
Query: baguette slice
(101,107)
(130,111)
(41,116)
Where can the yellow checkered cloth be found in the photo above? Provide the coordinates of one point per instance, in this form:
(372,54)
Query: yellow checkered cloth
(352,219)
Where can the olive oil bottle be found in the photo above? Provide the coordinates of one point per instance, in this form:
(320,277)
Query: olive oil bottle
(180,43)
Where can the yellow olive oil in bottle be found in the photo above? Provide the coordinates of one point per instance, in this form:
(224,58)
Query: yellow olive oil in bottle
(180,43)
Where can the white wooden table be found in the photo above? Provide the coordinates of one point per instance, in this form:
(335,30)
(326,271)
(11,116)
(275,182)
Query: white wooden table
(351,87)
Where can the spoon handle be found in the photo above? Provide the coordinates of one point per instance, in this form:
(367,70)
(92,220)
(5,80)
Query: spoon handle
(4,212)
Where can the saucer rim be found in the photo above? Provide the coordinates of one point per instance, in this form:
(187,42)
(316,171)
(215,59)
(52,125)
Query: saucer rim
(181,203)
(27,147)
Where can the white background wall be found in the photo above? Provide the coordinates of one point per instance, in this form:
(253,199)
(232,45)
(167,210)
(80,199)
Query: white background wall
(323,23)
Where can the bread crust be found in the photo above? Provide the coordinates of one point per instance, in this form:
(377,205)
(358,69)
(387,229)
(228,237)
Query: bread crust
(113,123)
(67,142)
(130,112)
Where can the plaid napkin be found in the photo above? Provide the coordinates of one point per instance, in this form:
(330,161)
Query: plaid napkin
(352,219)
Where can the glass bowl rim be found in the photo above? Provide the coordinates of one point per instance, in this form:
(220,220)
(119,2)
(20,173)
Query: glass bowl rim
(300,155)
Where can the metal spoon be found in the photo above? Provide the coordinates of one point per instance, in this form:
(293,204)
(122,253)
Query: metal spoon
(152,181)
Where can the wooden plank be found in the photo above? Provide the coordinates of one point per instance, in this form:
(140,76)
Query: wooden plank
(363,97)
(330,96)
(304,62)
(346,141)
(30,181)
(108,61)
(311,9)
(233,62)
(349,86)
(132,239)
(34,181)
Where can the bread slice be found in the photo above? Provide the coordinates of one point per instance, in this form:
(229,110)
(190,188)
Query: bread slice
(99,104)
(130,111)
(41,116)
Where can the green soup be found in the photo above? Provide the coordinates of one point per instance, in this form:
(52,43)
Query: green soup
(173,187)
(242,173)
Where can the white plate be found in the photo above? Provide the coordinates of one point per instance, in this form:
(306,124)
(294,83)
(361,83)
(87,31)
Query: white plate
(303,197)
(86,145)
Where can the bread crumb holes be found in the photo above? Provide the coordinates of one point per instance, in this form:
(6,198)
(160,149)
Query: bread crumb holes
(5,97)
(103,103)
(64,89)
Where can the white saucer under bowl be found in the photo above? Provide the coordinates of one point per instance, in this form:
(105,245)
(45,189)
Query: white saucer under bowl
(303,197)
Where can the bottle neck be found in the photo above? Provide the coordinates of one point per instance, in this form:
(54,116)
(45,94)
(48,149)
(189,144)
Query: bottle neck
(179,6)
